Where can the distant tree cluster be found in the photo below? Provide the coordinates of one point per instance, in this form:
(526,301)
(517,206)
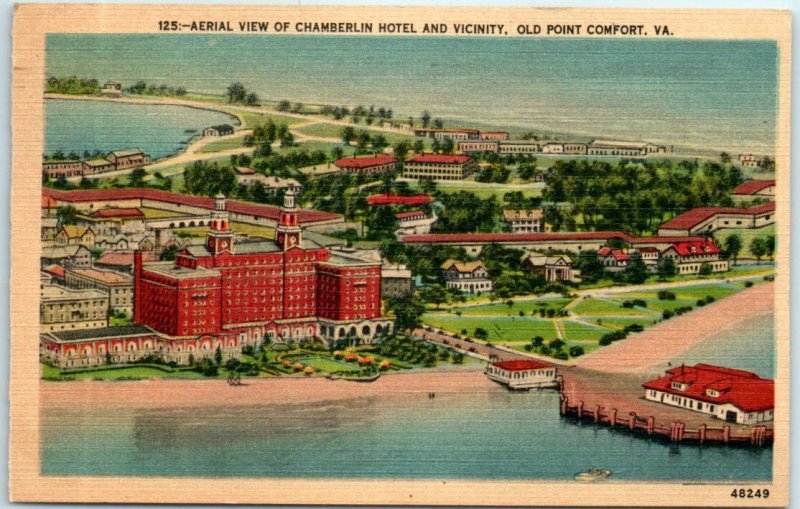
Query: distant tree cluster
(635,196)
(364,140)
(465,212)
(142,88)
(72,85)
(236,93)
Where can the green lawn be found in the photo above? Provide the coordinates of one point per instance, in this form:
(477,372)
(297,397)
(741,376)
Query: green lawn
(746,234)
(220,145)
(500,329)
(322,130)
(580,332)
(120,373)
(592,306)
(505,310)
(252,119)
(325,364)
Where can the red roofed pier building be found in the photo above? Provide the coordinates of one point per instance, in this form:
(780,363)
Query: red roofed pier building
(370,165)
(522,374)
(729,394)
(439,167)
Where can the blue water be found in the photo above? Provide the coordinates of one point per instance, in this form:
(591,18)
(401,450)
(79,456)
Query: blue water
(159,130)
(705,94)
(490,434)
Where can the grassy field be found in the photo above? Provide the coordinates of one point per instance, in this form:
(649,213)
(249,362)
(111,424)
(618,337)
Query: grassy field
(253,119)
(577,332)
(505,310)
(500,329)
(321,130)
(124,373)
(487,191)
(220,145)
(747,235)
(605,307)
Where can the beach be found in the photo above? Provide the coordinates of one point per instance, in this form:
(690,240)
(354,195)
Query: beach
(647,352)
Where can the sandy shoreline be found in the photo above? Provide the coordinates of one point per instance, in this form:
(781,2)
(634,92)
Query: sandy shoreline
(191,393)
(646,352)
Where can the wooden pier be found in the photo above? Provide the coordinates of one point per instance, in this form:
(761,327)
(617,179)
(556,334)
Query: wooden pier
(672,430)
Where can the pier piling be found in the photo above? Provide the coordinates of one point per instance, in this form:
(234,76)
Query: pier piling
(632,420)
(651,423)
(726,434)
(702,431)
(580,409)
(597,413)
(613,420)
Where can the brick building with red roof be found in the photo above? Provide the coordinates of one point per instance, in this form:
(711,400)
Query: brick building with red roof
(702,220)
(439,167)
(367,165)
(753,189)
(690,257)
(732,395)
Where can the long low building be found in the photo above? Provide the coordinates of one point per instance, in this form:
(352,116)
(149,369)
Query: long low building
(89,200)
(704,220)
(473,243)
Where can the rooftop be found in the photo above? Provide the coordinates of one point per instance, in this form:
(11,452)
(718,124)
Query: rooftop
(752,186)
(521,365)
(511,214)
(233,206)
(126,153)
(365,162)
(743,389)
(463,267)
(59,293)
(127,212)
(440,159)
(396,199)
(104,332)
(104,276)
(693,217)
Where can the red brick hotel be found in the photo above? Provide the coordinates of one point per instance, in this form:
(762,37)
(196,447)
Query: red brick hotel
(229,294)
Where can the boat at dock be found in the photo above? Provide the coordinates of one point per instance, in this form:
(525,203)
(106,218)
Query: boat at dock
(593,474)
(522,374)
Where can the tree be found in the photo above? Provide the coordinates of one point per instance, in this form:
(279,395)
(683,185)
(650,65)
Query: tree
(66,214)
(252,99)
(136,178)
(769,246)
(435,294)
(284,105)
(218,355)
(438,124)
(666,268)
(348,134)
(426,118)
(481,333)
(407,312)
(236,93)
(758,248)
(636,271)
(733,246)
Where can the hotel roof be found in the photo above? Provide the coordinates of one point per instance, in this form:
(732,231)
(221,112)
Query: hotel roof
(104,276)
(695,248)
(752,187)
(233,206)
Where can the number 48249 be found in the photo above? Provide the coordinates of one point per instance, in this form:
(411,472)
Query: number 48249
(750,493)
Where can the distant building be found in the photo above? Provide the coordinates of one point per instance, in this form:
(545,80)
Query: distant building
(71,234)
(111,89)
(753,161)
(120,261)
(439,167)
(73,255)
(703,220)
(218,130)
(414,222)
(128,159)
(650,257)
(732,395)
(493,135)
(382,200)
(272,184)
(518,147)
(522,374)
(552,267)
(118,286)
(95,166)
(112,221)
(613,260)
(62,309)
(467,277)
(369,165)
(575,148)
(553,148)
(623,148)
(65,168)
(55,273)
(478,146)
(448,134)
(396,281)
(690,257)
(525,220)
(754,189)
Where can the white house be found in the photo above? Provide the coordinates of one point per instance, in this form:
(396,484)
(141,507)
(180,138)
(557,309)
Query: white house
(522,374)
(468,277)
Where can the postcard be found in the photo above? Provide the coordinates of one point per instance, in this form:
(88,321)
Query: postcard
(400,256)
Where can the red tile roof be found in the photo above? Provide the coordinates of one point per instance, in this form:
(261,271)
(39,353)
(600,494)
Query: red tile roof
(234,206)
(119,212)
(48,202)
(440,159)
(695,248)
(743,389)
(521,365)
(365,162)
(55,270)
(411,213)
(752,186)
(616,253)
(693,217)
(489,238)
(395,199)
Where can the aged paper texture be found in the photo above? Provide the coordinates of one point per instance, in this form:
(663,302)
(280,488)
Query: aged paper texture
(326,255)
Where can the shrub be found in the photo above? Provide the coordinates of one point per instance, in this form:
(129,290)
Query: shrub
(528,348)
(297,367)
(561,356)
(634,327)
(308,371)
(748,284)
(576,351)
(665,295)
